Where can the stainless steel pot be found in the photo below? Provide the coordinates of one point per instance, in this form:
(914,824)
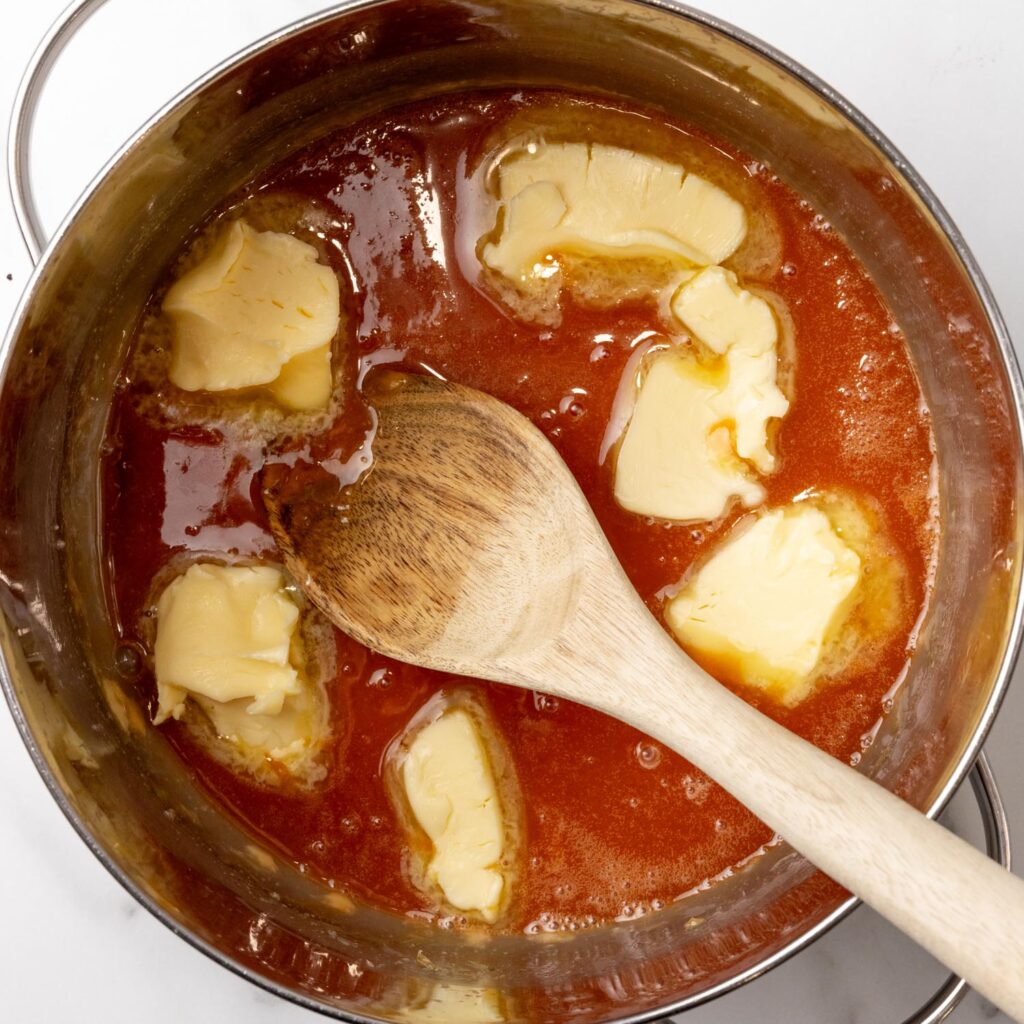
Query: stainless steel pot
(127,794)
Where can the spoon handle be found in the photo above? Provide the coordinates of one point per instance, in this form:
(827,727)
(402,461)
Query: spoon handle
(957,903)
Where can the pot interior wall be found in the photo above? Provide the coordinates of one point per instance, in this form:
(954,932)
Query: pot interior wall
(129,794)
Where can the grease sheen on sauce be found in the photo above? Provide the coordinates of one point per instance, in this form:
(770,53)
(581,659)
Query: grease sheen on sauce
(615,825)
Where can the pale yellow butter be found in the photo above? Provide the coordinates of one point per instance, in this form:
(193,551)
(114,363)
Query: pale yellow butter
(224,633)
(305,381)
(451,790)
(724,316)
(676,459)
(739,326)
(252,313)
(769,599)
(593,199)
(286,735)
(700,421)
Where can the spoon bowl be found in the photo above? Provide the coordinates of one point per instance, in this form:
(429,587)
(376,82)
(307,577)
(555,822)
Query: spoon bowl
(466,547)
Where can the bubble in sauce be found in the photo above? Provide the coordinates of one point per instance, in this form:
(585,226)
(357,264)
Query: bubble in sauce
(571,404)
(380,679)
(127,660)
(696,789)
(545,702)
(648,754)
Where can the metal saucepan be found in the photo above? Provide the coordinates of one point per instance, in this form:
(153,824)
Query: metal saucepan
(128,795)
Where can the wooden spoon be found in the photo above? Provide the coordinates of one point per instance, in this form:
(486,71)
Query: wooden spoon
(469,548)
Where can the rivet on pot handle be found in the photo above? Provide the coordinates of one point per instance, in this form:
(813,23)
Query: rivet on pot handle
(23,115)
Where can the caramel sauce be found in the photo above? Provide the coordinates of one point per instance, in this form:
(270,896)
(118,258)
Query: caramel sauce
(615,825)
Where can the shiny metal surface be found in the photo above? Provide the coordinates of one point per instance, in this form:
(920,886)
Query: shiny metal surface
(128,796)
(19,135)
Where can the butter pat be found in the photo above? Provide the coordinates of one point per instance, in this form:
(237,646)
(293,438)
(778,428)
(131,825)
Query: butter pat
(251,313)
(285,736)
(767,602)
(676,459)
(451,790)
(305,381)
(739,326)
(724,316)
(224,633)
(701,416)
(592,199)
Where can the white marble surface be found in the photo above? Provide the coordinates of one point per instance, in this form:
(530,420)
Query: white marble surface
(942,78)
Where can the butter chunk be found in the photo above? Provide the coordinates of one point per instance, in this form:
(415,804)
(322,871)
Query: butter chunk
(769,599)
(285,736)
(740,326)
(676,459)
(592,199)
(700,423)
(451,790)
(724,316)
(224,634)
(305,381)
(245,313)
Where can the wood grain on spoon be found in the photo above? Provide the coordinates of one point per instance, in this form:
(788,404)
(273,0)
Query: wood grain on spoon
(469,548)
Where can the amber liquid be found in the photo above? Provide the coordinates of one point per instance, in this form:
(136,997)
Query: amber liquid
(614,825)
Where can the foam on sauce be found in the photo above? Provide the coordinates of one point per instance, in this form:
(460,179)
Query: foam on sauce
(613,825)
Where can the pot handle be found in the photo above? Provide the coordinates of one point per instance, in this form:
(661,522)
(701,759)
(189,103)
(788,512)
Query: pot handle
(997,846)
(23,115)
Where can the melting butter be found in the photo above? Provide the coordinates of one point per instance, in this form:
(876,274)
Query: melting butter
(305,381)
(699,432)
(739,326)
(676,459)
(286,736)
(770,599)
(226,640)
(258,310)
(593,199)
(700,422)
(450,787)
